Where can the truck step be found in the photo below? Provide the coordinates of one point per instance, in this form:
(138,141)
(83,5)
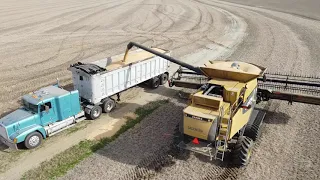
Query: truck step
(67,127)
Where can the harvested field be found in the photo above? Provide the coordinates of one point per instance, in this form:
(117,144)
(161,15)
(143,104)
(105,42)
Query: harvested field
(40,39)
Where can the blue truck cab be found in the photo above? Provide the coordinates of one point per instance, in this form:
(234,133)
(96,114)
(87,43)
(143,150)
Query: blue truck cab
(44,113)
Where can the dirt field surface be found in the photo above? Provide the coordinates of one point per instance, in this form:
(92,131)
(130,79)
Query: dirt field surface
(40,39)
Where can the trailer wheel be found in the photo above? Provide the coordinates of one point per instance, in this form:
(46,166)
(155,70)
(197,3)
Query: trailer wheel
(33,140)
(108,105)
(163,78)
(242,151)
(95,112)
(154,82)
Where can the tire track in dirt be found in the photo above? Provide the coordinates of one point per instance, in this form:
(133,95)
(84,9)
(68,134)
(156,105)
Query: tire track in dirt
(47,21)
(19,12)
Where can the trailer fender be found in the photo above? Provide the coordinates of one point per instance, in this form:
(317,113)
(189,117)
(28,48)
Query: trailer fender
(21,135)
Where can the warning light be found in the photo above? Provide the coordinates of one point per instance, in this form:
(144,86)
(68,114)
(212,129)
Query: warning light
(246,107)
(195,141)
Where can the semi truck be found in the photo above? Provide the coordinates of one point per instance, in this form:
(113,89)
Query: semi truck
(53,109)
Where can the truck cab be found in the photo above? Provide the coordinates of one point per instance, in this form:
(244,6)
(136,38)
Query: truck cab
(44,112)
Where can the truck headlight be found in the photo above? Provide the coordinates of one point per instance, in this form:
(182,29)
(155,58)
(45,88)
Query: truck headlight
(15,140)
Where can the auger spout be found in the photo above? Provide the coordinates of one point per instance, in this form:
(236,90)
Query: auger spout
(171,59)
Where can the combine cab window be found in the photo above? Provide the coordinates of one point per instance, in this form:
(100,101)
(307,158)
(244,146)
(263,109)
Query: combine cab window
(213,90)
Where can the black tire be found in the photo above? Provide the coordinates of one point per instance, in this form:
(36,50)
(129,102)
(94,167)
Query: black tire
(164,78)
(253,129)
(95,112)
(242,151)
(177,138)
(108,105)
(154,82)
(33,140)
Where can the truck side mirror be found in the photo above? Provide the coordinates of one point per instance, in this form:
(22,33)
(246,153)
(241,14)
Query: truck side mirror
(46,108)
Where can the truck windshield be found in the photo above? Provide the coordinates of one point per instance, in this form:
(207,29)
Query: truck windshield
(31,107)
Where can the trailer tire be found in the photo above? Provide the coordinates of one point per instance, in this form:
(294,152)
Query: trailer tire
(154,82)
(164,78)
(33,140)
(108,105)
(242,151)
(95,112)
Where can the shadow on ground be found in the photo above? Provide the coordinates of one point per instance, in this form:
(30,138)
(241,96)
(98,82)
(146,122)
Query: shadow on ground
(149,144)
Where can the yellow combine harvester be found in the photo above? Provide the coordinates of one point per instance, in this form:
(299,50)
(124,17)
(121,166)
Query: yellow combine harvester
(221,116)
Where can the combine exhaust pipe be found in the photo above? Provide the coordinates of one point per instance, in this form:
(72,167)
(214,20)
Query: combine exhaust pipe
(171,59)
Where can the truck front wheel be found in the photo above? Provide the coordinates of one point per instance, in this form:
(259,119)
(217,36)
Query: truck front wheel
(33,140)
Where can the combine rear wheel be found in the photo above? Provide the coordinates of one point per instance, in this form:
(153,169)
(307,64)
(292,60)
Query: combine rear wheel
(177,137)
(242,151)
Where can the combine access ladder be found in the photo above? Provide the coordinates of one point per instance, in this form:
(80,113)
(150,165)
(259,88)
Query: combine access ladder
(223,135)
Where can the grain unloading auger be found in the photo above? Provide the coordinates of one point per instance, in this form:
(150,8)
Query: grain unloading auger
(221,116)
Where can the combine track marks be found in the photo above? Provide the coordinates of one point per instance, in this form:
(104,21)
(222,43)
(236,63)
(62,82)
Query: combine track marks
(221,173)
(148,167)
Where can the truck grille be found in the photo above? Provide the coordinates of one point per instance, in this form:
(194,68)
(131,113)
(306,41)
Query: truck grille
(3,132)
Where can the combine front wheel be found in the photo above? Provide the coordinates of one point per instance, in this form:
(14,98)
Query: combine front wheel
(242,151)
(253,129)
